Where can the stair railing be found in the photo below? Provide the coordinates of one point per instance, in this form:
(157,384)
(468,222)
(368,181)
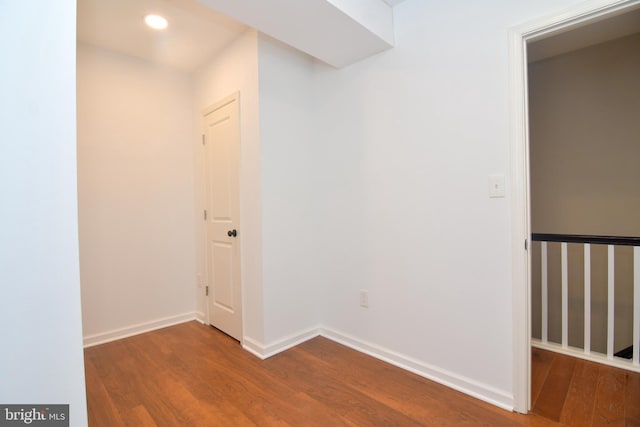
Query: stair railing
(586,352)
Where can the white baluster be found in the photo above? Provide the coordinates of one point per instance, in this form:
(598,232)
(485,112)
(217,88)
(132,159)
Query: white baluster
(565,295)
(545,299)
(587,298)
(636,305)
(610,301)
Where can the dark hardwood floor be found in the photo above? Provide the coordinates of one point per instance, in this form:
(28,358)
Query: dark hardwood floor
(576,392)
(193,375)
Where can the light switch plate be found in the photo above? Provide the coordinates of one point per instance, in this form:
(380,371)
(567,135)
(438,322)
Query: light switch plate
(496,185)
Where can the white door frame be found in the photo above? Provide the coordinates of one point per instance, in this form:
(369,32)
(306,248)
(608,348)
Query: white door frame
(565,20)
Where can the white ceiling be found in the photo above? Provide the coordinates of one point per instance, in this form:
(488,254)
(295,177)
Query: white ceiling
(195,32)
(609,28)
(337,32)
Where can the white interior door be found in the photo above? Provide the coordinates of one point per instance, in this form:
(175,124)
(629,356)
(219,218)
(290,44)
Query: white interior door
(221,138)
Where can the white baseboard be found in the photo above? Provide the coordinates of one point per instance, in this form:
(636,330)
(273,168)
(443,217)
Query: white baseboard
(457,382)
(140,328)
(578,353)
(201,317)
(263,351)
(253,346)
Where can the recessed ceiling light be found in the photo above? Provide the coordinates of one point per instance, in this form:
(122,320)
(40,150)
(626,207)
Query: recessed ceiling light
(156,22)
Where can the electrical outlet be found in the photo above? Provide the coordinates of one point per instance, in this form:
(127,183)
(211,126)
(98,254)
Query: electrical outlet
(364,298)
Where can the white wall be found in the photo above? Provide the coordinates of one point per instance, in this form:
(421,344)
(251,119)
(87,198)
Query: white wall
(136,192)
(401,144)
(584,140)
(291,209)
(41,359)
(236,69)
(375,177)
(407,140)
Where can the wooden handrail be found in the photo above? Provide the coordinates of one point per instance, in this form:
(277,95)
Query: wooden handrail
(595,240)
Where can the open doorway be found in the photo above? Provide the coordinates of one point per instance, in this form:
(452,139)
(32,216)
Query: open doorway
(541,31)
(585,201)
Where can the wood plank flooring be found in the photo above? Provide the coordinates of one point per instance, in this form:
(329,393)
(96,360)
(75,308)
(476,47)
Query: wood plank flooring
(577,392)
(193,375)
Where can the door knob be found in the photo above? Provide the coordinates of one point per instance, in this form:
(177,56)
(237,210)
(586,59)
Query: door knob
(232,233)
